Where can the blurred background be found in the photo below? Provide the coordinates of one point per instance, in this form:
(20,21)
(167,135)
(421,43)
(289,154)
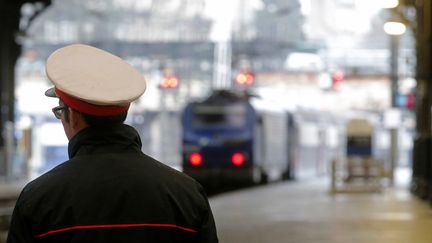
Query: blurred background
(256,92)
(325,60)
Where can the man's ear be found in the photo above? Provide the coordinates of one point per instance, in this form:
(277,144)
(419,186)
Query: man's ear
(74,117)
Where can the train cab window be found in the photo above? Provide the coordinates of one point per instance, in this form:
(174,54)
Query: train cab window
(219,115)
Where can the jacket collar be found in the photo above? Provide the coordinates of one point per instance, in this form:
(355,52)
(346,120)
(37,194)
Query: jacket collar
(104,139)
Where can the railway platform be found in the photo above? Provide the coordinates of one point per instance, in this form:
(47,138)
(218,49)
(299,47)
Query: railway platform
(308,212)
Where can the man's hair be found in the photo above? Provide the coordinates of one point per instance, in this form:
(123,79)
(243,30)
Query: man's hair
(104,120)
(98,120)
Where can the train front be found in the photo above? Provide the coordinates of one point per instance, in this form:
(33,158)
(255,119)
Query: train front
(218,140)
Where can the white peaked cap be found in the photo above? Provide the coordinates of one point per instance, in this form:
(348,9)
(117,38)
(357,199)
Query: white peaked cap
(93,76)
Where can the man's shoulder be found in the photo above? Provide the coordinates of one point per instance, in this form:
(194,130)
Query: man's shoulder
(169,170)
(49,179)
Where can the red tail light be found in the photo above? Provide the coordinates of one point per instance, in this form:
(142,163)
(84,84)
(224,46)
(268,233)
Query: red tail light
(195,159)
(238,159)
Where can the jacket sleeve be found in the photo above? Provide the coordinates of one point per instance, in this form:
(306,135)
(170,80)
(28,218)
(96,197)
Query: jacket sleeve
(19,231)
(208,232)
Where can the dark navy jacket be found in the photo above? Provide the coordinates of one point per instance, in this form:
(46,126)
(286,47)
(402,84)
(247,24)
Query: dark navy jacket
(109,191)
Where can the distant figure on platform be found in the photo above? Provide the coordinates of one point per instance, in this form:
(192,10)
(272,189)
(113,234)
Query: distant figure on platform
(108,191)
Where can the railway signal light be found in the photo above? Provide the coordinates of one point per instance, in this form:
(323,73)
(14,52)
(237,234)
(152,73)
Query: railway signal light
(411,101)
(169,82)
(337,79)
(245,79)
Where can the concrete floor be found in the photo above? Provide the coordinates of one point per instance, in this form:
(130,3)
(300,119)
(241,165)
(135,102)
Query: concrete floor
(306,212)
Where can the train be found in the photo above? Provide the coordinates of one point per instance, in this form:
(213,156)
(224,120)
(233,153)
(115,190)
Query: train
(231,136)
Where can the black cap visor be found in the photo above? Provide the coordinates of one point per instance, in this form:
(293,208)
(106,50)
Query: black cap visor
(51,93)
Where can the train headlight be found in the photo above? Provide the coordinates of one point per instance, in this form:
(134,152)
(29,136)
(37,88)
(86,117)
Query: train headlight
(195,159)
(238,159)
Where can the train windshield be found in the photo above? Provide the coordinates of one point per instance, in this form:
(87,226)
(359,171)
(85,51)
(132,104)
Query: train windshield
(232,115)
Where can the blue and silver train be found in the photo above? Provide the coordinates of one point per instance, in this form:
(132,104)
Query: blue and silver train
(228,137)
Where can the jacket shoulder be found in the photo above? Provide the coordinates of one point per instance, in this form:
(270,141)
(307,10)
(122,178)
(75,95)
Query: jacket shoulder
(41,184)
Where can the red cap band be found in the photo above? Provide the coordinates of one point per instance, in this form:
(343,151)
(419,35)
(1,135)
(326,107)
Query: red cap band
(90,109)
